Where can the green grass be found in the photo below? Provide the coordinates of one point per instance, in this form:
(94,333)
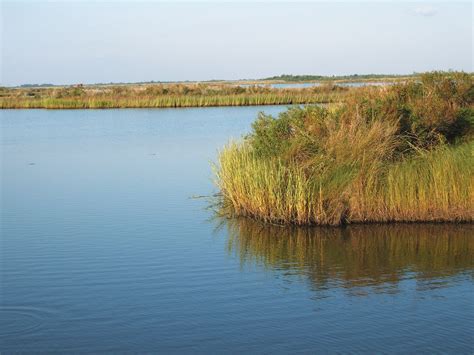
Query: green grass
(401,154)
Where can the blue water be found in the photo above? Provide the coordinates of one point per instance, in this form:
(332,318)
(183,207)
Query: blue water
(103,250)
(308,85)
(364,83)
(294,85)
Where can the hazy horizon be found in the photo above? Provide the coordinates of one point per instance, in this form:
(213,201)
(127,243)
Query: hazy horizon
(82,42)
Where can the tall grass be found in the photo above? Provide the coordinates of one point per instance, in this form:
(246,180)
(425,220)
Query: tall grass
(383,156)
(431,186)
(179,95)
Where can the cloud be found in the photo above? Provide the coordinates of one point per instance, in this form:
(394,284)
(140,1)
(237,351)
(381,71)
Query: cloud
(426,11)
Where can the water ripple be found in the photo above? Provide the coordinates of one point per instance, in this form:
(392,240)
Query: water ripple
(22,320)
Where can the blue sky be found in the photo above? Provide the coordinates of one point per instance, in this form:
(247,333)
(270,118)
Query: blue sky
(69,42)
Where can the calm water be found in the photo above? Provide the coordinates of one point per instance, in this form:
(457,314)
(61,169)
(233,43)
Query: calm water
(365,83)
(308,85)
(102,250)
(285,85)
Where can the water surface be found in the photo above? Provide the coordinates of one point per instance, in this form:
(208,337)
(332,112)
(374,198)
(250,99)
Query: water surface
(359,84)
(103,250)
(309,85)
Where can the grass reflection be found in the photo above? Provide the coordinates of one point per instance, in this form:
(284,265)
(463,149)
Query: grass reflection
(357,255)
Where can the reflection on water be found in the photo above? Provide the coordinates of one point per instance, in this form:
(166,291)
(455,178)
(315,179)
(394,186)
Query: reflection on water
(360,258)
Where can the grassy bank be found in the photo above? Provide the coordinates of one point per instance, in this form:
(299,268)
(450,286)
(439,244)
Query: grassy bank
(161,95)
(400,153)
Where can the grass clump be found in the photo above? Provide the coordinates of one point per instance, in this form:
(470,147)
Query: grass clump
(400,153)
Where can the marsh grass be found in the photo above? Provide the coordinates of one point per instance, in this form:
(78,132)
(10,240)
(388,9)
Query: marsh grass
(382,156)
(165,96)
(431,186)
(436,185)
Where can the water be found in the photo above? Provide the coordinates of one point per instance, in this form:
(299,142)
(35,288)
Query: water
(294,85)
(284,85)
(309,85)
(102,250)
(358,84)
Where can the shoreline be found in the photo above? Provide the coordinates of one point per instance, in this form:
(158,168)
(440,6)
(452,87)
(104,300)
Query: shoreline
(162,107)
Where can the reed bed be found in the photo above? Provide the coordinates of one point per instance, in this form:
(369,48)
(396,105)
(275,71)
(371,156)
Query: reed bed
(165,96)
(398,154)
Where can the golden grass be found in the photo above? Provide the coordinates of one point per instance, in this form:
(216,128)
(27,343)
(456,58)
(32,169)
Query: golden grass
(431,186)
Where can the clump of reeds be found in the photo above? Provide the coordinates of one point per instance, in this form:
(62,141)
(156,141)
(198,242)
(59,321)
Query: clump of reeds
(403,153)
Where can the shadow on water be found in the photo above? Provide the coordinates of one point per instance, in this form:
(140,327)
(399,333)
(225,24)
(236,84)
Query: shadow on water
(362,259)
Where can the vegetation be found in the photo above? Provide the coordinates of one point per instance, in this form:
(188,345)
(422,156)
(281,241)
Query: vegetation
(160,95)
(376,256)
(398,153)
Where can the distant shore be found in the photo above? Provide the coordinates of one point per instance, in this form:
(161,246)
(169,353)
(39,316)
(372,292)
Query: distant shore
(172,95)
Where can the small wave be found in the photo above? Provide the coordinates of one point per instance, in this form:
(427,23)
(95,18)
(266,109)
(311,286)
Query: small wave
(22,320)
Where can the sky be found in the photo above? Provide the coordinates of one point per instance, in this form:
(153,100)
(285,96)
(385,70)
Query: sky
(70,42)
